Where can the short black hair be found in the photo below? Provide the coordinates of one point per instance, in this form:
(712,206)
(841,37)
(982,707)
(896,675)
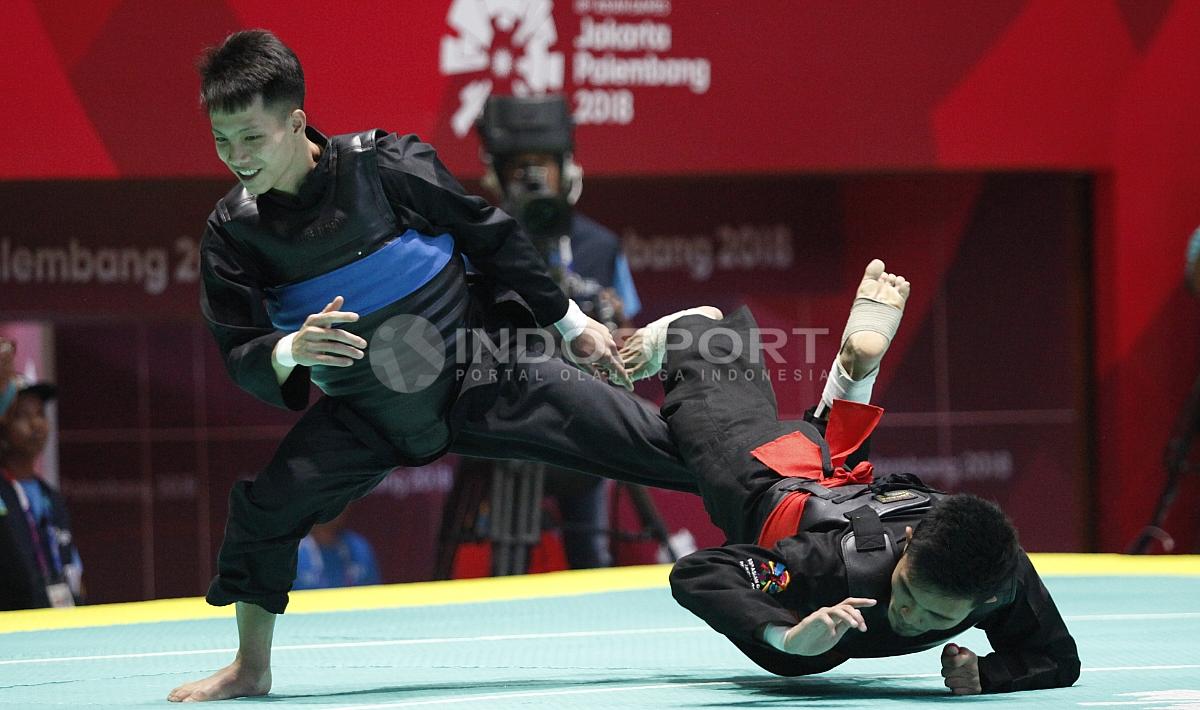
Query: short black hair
(248,64)
(965,547)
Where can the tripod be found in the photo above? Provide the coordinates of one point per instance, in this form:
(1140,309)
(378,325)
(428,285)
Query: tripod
(1177,465)
(503,505)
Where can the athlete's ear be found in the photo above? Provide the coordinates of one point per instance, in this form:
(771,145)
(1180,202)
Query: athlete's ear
(908,531)
(298,120)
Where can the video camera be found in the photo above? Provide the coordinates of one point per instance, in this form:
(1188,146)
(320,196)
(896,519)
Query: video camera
(512,128)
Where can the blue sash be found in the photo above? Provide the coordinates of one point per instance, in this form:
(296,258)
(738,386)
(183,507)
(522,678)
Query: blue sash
(404,265)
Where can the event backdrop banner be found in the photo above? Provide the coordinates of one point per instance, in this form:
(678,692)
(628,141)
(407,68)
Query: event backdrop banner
(657,86)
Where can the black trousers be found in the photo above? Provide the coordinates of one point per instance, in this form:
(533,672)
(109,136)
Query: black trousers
(543,410)
(720,406)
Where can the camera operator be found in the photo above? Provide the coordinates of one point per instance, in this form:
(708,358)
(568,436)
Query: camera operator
(528,145)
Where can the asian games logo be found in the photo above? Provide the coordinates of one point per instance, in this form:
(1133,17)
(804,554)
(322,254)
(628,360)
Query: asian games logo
(505,45)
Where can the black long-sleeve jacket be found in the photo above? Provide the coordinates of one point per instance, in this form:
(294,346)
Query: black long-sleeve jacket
(304,236)
(738,589)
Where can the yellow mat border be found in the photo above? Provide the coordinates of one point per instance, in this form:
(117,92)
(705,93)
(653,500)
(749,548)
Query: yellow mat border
(534,586)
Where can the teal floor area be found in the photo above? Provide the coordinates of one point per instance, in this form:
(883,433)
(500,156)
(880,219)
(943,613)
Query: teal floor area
(1139,639)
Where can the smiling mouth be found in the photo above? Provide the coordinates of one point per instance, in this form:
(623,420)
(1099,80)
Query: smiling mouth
(247,174)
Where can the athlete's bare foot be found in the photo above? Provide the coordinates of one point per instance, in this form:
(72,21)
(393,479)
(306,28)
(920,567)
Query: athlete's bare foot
(863,350)
(232,681)
(643,351)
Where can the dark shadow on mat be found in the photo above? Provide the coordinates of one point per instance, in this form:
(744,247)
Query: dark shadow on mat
(739,691)
(759,691)
(466,688)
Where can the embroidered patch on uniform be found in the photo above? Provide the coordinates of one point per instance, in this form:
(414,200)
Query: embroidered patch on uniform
(775,577)
(895,496)
(766,576)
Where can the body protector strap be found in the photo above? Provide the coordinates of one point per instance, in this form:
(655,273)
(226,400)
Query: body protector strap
(809,497)
(868,548)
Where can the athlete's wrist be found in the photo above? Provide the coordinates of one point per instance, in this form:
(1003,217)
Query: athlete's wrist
(775,636)
(282,354)
(573,323)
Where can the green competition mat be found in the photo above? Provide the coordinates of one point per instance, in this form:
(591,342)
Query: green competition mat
(589,639)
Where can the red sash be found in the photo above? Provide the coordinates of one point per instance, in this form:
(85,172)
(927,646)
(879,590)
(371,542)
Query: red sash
(795,456)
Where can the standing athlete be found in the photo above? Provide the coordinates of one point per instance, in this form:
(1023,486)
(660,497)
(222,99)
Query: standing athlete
(340,261)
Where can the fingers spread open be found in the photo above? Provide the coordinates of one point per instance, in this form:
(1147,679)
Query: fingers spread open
(617,374)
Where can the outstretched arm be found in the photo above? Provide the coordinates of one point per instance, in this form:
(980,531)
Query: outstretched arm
(421,189)
(735,590)
(821,630)
(1033,648)
(763,602)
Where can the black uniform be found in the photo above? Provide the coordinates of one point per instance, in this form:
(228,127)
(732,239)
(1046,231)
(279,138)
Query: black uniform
(717,420)
(21,583)
(381,221)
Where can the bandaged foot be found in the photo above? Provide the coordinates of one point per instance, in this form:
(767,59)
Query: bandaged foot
(643,352)
(874,319)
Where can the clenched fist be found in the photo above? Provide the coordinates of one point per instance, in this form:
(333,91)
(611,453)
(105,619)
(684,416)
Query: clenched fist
(960,668)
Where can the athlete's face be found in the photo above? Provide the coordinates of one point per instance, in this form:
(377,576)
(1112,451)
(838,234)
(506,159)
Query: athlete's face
(265,147)
(917,608)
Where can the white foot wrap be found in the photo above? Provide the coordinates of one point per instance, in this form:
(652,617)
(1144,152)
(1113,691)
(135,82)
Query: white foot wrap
(869,314)
(865,314)
(654,340)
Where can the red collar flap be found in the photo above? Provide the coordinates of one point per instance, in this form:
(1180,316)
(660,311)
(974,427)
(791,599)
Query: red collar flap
(794,455)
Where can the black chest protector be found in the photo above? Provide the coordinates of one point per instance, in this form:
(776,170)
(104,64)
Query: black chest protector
(288,244)
(290,241)
(866,512)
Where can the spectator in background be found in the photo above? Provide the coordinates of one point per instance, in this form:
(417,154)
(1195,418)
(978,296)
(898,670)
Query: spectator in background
(41,563)
(528,145)
(16,588)
(333,556)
